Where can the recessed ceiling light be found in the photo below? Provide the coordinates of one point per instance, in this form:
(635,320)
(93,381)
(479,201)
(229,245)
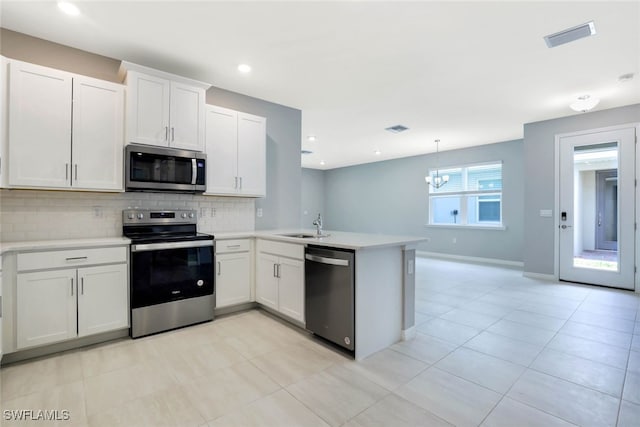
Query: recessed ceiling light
(584,103)
(377,152)
(68,8)
(244,68)
(322,163)
(311,138)
(397,128)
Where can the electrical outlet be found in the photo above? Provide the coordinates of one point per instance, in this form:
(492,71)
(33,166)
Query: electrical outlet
(97,211)
(259,212)
(203,212)
(213,212)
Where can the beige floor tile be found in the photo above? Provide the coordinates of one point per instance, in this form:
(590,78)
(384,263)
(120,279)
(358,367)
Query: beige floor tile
(201,361)
(277,409)
(522,332)
(425,348)
(595,333)
(167,407)
(634,362)
(228,389)
(510,413)
(112,389)
(446,330)
(470,318)
(388,368)
(397,412)
(115,355)
(604,321)
(64,403)
(635,343)
(457,401)
(592,350)
(292,363)
(336,394)
(629,414)
(563,399)
(631,391)
(487,371)
(535,319)
(40,375)
(588,373)
(505,348)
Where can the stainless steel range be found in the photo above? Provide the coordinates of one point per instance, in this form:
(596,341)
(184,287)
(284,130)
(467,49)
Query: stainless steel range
(171,270)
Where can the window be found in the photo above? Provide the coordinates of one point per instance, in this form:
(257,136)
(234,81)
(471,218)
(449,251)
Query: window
(473,196)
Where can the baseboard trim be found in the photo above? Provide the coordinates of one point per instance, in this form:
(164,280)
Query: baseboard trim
(408,334)
(540,276)
(480,260)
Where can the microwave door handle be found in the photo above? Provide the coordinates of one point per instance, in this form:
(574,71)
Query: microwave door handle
(194,171)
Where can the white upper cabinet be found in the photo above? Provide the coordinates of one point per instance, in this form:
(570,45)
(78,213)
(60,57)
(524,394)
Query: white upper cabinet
(236,153)
(164,109)
(65,130)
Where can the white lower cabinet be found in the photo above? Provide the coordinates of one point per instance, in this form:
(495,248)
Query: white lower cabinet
(59,304)
(233,272)
(280,278)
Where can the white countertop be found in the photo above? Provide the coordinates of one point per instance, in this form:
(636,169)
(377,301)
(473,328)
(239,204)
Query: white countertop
(62,244)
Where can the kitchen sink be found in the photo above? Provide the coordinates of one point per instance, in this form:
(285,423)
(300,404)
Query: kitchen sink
(304,235)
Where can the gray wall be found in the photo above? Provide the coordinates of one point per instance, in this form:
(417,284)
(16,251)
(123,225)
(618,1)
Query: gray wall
(281,207)
(391,197)
(539,154)
(312,196)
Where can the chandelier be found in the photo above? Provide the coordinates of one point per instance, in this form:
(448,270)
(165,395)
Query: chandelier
(437,180)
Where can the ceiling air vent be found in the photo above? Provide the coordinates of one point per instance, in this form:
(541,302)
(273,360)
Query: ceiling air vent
(570,34)
(306,152)
(397,128)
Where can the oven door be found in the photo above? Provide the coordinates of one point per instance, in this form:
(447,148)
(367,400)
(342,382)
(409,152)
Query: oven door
(164,169)
(165,272)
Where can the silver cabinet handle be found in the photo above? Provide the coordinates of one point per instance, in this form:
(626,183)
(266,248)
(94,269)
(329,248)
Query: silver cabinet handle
(275,269)
(278,271)
(173,134)
(76,167)
(219,268)
(72,286)
(166,133)
(240,183)
(233,246)
(325,260)
(236,183)
(66,171)
(82,286)
(76,258)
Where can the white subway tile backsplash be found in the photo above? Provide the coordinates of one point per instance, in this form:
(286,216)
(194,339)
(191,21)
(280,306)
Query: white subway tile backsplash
(40,215)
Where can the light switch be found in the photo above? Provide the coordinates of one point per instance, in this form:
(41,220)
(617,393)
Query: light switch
(547,213)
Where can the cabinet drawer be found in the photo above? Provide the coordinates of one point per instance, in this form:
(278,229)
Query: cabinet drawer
(71,258)
(290,250)
(234,245)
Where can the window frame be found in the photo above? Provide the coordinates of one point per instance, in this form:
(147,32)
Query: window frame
(464,196)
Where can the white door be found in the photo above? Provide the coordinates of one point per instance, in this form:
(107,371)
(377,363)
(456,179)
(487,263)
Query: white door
(46,307)
(233,281)
(581,158)
(103,303)
(252,154)
(291,288)
(267,280)
(187,117)
(39,126)
(222,150)
(147,109)
(98,134)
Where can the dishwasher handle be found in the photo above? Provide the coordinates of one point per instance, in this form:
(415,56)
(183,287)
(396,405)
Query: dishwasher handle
(325,260)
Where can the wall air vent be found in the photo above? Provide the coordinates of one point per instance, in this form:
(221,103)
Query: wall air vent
(570,34)
(397,128)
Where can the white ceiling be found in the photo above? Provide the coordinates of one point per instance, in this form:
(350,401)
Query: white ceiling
(468,73)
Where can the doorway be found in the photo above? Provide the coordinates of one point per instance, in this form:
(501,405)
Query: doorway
(597,208)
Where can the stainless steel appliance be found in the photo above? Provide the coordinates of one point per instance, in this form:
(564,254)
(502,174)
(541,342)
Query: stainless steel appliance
(171,270)
(164,169)
(330,294)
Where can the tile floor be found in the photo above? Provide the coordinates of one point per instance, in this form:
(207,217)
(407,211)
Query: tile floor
(493,349)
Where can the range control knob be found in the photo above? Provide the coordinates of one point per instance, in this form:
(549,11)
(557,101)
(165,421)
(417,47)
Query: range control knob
(131,216)
(140,216)
(192,215)
(184,215)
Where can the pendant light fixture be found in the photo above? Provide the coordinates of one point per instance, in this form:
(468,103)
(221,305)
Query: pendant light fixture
(437,180)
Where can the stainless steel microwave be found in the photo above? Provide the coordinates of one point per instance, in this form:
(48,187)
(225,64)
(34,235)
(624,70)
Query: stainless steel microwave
(161,169)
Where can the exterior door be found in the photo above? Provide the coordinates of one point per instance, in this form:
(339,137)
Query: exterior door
(584,158)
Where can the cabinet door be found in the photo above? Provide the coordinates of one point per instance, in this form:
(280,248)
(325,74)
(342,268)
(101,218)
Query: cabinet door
(39,126)
(187,117)
(103,303)
(233,280)
(291,288)
(266,280)
(46,307)
(3,121)
(222,150)
(252,160)
(98,134)
(147,109)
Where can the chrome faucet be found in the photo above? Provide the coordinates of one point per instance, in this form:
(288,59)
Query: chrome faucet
(318,224)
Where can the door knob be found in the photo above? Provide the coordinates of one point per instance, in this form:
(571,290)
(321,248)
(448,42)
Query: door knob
(563,226)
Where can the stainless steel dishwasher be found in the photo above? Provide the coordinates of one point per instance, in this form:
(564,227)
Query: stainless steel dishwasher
(330,294)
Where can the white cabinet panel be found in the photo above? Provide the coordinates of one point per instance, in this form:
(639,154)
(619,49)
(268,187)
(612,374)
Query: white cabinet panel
(98,134)
(46,307)
(4,122)
(266,280)
(39,126)
(291,288)
(147,109)
(233,279)
(103,303)
(222,150)
(252,158)
(187,117)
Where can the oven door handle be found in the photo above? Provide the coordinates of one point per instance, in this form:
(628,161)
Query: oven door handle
(171,245)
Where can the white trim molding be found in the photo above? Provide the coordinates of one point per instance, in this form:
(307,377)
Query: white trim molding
(425,254)
(541,276)
(408,334)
